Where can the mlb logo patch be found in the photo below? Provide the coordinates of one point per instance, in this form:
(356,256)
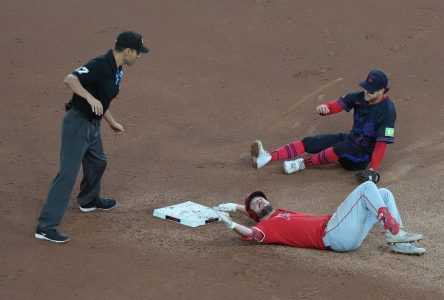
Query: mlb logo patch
(390,132)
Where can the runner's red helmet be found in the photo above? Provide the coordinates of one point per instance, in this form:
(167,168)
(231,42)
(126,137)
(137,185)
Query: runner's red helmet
(247,201)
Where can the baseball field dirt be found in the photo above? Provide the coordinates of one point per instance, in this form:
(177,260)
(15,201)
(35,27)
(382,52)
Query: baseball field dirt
(219,75)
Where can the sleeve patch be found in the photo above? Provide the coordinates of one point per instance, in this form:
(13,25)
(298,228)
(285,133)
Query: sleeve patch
(390,132)
(82,70)
(257,235)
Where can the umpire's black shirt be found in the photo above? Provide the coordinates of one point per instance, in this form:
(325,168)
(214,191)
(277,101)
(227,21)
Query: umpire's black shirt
(101,78)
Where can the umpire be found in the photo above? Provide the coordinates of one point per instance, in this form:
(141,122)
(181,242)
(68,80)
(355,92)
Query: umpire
(94,86)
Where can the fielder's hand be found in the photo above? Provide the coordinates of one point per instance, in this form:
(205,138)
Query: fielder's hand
(226,207)
(367,175)
(323,110)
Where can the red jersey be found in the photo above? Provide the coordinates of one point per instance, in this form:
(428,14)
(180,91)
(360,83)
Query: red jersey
(292,228)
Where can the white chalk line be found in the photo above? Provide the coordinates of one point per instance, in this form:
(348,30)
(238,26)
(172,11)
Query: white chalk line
(314,93)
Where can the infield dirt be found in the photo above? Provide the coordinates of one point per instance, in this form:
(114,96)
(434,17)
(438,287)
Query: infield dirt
(219,75)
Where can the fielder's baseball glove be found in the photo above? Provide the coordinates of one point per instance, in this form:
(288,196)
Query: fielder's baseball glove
(367,175)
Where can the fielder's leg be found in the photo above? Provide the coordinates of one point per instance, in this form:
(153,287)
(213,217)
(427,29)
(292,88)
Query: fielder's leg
(351,156)
(318,145)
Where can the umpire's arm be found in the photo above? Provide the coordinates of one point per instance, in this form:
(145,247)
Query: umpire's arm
(73,82)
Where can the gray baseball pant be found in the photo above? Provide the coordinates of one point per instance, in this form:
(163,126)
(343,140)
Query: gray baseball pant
(81,145)
(355,217)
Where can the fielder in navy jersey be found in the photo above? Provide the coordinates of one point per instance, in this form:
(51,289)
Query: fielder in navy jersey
(342,231)
(374,117)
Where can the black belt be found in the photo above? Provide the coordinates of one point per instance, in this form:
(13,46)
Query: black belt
(85,116)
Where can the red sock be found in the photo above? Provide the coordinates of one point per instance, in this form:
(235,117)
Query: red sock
(325,157)
(288,151)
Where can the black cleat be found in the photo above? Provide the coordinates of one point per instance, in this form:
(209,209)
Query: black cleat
(99,203)
(52,235)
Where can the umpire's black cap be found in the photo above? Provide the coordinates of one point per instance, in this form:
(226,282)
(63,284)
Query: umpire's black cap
(132,40)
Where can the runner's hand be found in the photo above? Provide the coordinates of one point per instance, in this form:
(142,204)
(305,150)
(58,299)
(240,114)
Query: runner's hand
(225,218)
(226,207)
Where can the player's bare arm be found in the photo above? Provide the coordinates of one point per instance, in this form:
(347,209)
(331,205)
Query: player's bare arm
(242,230)
(74,84)
(238,228)
(117,127)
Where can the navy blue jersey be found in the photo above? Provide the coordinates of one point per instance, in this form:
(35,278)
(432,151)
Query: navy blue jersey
(372,122)
(101,78)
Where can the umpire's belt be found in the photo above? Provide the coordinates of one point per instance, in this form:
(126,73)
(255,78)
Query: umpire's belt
(84,116)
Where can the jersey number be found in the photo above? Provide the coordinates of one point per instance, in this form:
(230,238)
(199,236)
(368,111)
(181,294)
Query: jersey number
(82,70)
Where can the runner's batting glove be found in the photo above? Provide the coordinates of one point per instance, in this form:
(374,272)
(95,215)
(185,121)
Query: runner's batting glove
(226,207)
(225,218)
(367,175)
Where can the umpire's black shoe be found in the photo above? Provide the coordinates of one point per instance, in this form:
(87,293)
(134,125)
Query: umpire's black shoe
(99,202)
(53,235)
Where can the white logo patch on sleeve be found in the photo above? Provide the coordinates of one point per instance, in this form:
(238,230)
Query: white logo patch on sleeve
(82,70)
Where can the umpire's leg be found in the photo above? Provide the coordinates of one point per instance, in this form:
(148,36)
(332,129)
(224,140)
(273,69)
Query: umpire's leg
(73,147)
(94,165)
